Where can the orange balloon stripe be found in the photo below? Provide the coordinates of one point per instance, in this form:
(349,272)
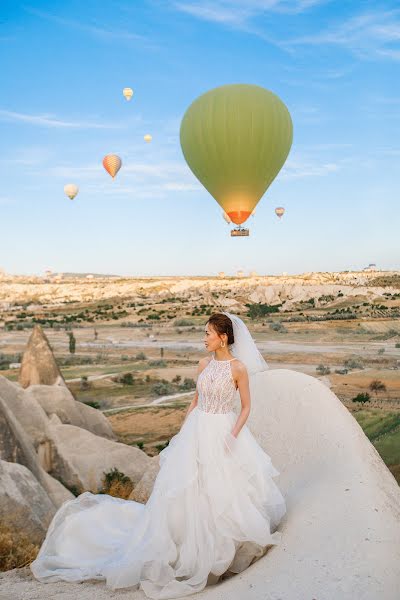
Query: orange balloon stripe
(112,164)
(239,216)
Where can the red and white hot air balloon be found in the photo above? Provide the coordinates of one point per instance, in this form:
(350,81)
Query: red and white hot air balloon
(112,164)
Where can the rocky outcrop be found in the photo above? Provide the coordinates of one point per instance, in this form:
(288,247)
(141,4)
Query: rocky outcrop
(38,363)
(16,446)
(80,458)
(24,503)
(141,492)
(59,400)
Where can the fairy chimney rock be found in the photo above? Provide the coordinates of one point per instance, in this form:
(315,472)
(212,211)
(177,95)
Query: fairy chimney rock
(38,363)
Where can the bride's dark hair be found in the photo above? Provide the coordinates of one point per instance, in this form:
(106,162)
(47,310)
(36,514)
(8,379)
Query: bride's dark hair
(222,324)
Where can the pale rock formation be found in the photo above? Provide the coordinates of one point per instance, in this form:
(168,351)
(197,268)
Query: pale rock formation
(38,363)
(80,458)
(59,400)
(24,504)
(141,492)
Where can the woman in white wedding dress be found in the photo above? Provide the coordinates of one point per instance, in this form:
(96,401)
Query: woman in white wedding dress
(214,507)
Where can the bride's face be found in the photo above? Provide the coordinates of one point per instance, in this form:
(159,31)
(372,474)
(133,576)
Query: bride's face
(212,340)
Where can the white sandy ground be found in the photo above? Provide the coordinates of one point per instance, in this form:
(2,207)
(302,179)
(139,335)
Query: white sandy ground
(341,534)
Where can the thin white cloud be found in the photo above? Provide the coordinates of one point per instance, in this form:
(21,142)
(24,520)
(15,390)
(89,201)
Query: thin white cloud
(114,35)
(373,34)
(135,180)
(238,13)
(296,168)
(52,121)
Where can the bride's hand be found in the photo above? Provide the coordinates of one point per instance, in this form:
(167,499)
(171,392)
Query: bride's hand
(230,443)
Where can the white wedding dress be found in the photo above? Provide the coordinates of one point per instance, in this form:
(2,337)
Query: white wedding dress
(214,508)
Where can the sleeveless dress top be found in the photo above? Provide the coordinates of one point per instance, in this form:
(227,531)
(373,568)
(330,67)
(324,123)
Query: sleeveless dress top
(216,387)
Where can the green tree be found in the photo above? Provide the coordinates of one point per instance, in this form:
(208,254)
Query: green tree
(377,386)
(72,342)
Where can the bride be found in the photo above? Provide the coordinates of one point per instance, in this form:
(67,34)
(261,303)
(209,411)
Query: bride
(214,507)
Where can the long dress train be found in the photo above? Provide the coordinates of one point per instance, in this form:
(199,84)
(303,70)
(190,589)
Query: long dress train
(214,508)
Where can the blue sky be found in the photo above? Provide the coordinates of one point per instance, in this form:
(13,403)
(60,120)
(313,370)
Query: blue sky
(335,64)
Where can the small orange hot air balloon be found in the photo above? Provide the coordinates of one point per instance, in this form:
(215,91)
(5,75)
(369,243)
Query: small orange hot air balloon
(279,211)
(112,164)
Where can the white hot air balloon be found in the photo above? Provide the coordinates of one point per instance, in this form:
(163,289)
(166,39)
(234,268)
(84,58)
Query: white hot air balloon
(71,190)
(147,138)
(128,93)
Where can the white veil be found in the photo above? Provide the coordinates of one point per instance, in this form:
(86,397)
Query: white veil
(244,347)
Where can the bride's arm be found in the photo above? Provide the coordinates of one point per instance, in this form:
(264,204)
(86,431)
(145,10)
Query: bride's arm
(242,379)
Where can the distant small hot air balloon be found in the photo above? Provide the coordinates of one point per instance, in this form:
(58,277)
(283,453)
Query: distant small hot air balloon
(128,93)
(279,211)
(71,190)
(112,164)
(227,217)
(147,138)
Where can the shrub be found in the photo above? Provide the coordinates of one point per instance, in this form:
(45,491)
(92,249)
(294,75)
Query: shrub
(278,327)
(188,384)
(157,363)
(162,446)
(363,398)
(259,310)
(92,403)
(117,484)
(354,362)
(184,322)
(84,384)
(163,389)
(323,370)
(141,356)
(126,379)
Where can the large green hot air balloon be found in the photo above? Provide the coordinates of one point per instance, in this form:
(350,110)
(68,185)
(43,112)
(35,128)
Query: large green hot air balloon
(235,139)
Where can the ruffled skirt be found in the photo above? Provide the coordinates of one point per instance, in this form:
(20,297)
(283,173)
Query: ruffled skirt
(213,510)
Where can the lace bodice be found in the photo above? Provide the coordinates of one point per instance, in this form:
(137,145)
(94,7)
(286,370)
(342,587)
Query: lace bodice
(216,387)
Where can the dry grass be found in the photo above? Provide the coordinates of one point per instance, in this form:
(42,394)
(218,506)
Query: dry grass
(16,550)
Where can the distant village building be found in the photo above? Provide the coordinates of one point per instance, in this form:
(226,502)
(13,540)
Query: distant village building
(371,267)
(240,273)
(253,274)
(221,274)
(89,276)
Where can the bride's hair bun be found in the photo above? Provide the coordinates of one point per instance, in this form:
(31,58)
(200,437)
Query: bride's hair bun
(222,324)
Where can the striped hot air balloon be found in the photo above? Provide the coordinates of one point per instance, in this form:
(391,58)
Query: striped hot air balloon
(112,164)
(279,211)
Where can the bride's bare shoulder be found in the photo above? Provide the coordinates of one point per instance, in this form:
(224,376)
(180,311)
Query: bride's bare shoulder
(203,362)
(238,367)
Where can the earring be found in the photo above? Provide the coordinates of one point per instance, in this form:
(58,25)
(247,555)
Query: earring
(222,344)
